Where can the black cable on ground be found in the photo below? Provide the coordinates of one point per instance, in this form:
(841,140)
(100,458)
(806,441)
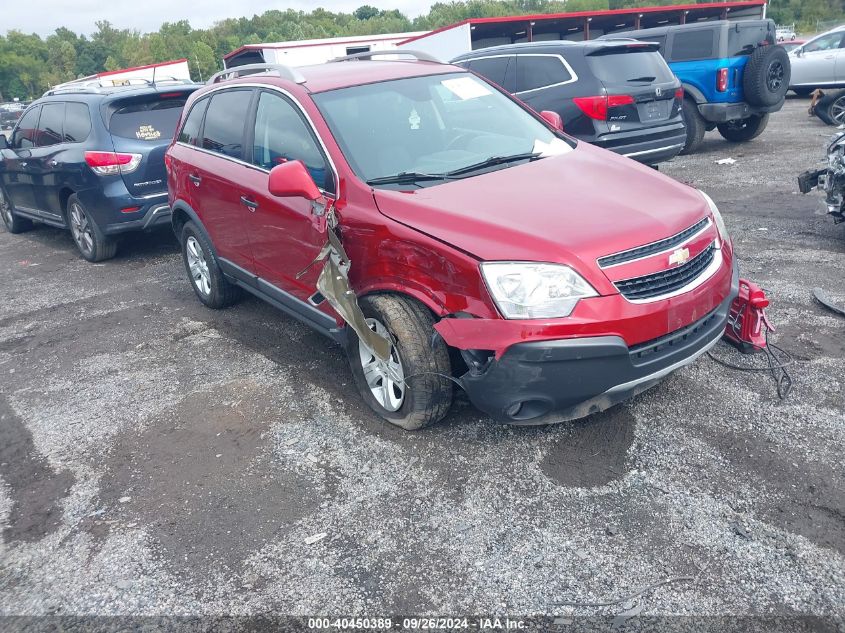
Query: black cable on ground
(776,366)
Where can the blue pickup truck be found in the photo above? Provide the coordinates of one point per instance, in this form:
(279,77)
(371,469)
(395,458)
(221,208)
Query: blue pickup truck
(733,75)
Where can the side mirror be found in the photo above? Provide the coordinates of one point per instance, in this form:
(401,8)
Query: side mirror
(553,119)
(291,179)
(4,144)
(799,52)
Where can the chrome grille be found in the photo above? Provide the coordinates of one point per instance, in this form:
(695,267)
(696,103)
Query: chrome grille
(655,247)
(666,281)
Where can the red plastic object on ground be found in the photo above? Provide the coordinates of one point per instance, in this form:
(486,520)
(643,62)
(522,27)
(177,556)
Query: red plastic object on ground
(747,317)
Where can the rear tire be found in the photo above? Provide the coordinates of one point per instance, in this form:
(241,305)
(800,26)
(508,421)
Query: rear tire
(831,108)
(207,280)
(424,393)
(744,130)
(11,221)
(766,76)
(92,244)
(695,125)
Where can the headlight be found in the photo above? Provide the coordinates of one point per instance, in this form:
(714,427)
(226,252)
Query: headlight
(528,290)
(720,222)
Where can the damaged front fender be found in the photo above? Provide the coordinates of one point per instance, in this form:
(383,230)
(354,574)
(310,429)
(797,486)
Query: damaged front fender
(333,284)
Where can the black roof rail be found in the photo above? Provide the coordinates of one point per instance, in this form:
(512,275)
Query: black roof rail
(285,72)
(419,55)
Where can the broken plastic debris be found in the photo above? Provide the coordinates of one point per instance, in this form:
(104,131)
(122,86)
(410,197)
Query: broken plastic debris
(581,554)
(315,538)
(725,161)
(312,458)
(123,499)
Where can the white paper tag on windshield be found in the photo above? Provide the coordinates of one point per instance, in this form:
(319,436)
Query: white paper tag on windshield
(466,88)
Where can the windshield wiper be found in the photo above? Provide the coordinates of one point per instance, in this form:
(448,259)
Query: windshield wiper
(642,79)
(406,178)
(493,160)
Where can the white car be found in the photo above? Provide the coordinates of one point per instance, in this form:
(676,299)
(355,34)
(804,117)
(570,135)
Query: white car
(784,33)
(820,63)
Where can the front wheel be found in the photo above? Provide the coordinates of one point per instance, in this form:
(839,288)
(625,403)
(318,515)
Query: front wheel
(412,389)
(92,244)
(831,108)
(13,223)
(743,130)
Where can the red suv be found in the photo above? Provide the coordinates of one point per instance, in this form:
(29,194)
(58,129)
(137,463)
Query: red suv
(445,233)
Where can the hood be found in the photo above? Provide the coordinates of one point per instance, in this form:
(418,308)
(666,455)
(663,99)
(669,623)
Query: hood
(569,209)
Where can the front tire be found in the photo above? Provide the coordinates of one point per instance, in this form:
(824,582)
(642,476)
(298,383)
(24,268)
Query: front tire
(743,130)
(413,389)
(695,125)
(11,221)
(207,280)
(92,244)
(831,108)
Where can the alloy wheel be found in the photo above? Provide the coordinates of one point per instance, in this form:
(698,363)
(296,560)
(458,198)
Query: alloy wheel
(81,229)
(6,210)
(386,380)
(837,110)
(198,266)
(774,76)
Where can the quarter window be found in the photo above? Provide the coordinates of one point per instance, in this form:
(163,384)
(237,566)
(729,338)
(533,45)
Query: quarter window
(50,124)
(692,45)
(281,135)
(534,71)
(223,129)
(26,130)
(191,129)
(77,122)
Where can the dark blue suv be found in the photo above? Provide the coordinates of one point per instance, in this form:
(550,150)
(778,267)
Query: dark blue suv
(90,158)
(733,75)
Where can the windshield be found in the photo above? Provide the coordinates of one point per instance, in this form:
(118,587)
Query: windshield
(433,126)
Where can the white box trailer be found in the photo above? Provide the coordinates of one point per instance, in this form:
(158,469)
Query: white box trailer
(308,52)
(177,70)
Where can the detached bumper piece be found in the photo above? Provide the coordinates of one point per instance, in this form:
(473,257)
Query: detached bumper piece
(554,381)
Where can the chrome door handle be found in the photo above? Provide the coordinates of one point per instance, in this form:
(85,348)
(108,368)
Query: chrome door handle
(195,179)
(251,204)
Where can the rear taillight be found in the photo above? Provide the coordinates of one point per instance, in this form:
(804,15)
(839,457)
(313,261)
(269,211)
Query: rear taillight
(679,93)
(722,80)
(597,107)
(112,163)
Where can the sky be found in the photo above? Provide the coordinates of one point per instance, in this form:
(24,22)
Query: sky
(44,16)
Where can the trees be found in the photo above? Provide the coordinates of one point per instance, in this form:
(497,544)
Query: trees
(30,64)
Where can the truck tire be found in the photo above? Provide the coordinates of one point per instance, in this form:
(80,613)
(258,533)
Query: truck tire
(695,125)
(766,77)
(831,108)
(425,393)
(743,130)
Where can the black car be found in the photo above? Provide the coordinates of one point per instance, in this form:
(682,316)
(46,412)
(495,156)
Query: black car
(91,159)
(619,95)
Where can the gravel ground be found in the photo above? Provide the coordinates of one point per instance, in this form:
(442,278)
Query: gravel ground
(159,458)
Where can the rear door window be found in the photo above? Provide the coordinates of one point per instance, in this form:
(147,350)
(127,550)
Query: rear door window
(693,44)
(50,125)
(540,71)
(151,119)
(223,131)
(630,66)
(191,129)
(26,130)
(499,70)
(77,122)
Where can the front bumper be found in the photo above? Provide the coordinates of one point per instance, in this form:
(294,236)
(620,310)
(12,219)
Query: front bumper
(542,382)
(724,112)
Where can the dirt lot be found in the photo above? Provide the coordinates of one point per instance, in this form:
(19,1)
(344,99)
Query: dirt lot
(160,458)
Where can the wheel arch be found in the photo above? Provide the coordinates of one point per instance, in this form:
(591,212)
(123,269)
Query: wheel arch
(181,214)
(693,93)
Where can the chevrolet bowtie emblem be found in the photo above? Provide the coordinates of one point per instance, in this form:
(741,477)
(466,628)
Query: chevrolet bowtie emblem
(679,257)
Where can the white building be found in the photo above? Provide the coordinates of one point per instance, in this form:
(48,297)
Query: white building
(307,52)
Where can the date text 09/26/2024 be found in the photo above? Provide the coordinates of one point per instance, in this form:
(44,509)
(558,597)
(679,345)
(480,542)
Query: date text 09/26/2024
(416,624)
